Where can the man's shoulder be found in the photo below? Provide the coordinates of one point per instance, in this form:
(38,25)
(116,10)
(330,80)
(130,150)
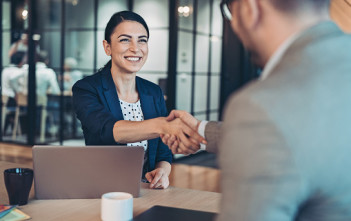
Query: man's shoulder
(44,74)
(7,70)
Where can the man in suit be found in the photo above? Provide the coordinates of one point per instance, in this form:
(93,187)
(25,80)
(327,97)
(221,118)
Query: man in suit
(285,139)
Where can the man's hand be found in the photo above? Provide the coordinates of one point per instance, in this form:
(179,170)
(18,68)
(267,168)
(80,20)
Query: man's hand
(185,117)
(188,139)
(158,178)
(177,145)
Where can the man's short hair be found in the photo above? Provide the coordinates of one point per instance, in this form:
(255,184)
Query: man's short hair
(17,57)
(42,56)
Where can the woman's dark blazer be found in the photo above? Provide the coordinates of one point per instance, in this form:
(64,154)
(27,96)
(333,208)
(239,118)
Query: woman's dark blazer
(98,108)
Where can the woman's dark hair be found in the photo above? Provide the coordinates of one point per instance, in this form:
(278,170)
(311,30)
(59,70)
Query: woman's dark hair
(117,19)
(120,17)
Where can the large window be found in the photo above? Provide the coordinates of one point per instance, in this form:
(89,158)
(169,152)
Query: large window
(199,58)
(155,68)
(68,37)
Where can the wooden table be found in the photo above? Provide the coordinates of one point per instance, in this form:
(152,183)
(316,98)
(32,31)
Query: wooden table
(89,209)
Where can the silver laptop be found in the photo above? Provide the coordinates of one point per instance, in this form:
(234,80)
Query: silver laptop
(85,172)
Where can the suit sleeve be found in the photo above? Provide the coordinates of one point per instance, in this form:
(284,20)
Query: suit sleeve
(212,134)
(259,179)
(96,120)
(163,152)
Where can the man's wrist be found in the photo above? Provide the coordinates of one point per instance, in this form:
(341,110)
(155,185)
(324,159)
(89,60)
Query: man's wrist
(197,125)
(201,131)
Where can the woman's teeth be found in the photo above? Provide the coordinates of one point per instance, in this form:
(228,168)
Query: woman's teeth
(132,59)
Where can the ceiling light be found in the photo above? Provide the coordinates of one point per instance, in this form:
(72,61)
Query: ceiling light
(25,14)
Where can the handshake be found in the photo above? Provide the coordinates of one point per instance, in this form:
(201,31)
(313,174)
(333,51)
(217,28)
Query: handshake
(180,133)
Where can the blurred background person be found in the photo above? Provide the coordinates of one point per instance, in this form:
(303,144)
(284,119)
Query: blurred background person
(47,89)
(21,47)
(8,89)
(13,71)
(71,74)
(46,80)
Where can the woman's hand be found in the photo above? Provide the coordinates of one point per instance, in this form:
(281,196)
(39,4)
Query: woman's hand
(158,178)
(188,140)
(172,142)
(180,144)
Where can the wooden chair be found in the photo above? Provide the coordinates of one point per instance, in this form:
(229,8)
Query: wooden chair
(22,101)
(3,111)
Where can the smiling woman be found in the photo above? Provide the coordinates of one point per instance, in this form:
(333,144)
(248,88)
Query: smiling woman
(128,51)
(117,107)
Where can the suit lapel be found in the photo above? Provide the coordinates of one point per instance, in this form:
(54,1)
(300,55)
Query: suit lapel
(110,94)
(149,111)
(146,100)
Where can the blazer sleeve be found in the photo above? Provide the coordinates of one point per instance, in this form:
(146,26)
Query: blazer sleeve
(97,121)
(163,152)
(212,134)
(260,180)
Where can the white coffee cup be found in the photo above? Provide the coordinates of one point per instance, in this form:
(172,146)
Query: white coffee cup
(116,206)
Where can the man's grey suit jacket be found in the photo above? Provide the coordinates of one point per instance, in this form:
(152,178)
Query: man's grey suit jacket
(285,142)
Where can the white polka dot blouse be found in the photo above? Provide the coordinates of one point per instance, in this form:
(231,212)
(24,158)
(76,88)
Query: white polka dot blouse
(133,112)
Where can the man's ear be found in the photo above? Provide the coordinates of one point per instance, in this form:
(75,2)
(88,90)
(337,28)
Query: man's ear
(255,12)
(107,47)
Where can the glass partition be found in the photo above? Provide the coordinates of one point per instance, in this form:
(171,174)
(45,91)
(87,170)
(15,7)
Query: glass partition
(56,122)
(198,65)
(68,35)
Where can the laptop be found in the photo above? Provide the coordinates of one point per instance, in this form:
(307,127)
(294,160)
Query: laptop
(162,213)
(86,172)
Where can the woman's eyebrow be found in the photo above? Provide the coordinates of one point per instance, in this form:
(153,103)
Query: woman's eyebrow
(129,36)
(125,35)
